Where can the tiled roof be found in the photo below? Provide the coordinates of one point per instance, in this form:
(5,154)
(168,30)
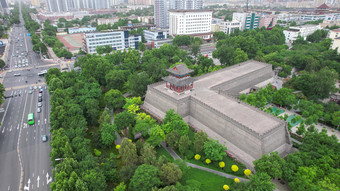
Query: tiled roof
(180,69)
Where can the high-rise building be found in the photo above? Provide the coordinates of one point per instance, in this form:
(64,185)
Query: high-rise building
(68,5)
(189,22)
(186,4)
(248,20)
(161,13)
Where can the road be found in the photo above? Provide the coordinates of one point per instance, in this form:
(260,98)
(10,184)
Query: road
(25,161)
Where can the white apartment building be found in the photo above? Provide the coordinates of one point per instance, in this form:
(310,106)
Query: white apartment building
(187,22)
(229,27)
(118,40)
(293,32)
(335,36)
(151,35)
(107,21)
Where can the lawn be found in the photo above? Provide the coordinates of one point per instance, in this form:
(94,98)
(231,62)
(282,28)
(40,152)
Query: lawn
(210,181)
(161,151)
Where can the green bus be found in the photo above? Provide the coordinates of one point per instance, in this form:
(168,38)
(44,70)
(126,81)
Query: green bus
(30,119)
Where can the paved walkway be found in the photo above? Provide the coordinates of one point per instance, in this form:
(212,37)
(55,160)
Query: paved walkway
(175,156)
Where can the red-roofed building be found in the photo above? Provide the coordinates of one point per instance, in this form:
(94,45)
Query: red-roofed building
(322,9)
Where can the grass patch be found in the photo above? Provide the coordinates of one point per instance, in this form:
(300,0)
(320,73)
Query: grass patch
(210,181)
(161,151)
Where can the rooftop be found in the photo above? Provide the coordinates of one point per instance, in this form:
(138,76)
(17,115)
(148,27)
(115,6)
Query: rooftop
(323,6)
(189,10)
(257,121)
(180,69)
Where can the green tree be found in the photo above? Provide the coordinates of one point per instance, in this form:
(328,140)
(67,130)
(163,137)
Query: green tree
(95,180)
(145,178)
(199,139)
(124,120)
(128,152)
(214,150)
(120,187)
(182,40)
(170,173)
(2,64)
(137,83)
(2,90)
(157,135)
(108,134)
(184,144)
(271,164)
(103,49)
(195,48)
(54,84)
(284,97)
(172,139)
(115,79)
(114,99)
(260,182)
(148,154)
(141,46)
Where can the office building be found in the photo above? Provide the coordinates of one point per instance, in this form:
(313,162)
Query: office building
(229,27)
(248,20)
(189,22)
(161,13)
(293,32)
(107,21)
(150,35)
(118,40)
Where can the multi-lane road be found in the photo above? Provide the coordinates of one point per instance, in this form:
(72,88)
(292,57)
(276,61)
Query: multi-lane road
(24,157)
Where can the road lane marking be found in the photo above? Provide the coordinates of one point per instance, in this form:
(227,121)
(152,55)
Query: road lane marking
(48,180)
(38,181)
(3,130)
(18,126)
(3,118)
(18,151)
(28,183)
(9,187)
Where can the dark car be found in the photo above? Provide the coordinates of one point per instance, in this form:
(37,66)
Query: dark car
(40,99)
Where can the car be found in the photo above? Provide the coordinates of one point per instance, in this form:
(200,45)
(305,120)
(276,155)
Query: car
(38,110)
(35,87)
(39,104)
(44,138)
(40,99)
(10,71)
(30,92)
(17,74)
(40,91)
(40,95)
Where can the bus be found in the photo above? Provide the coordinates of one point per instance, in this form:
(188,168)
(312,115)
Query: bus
(30,119)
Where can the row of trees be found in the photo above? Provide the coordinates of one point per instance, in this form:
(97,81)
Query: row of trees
(32,27)
(314,112)
(49,37)
(314,167)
